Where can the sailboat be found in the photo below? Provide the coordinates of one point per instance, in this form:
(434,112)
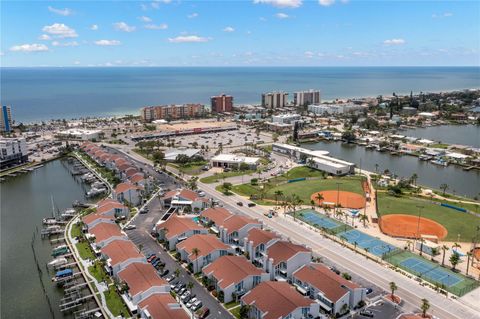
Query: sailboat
(51,220)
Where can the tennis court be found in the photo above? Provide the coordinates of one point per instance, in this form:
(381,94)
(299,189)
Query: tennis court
(431,271)
(313,218)
(374,245)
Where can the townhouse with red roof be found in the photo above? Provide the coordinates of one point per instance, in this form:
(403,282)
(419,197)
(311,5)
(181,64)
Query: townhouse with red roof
(105,233)
(282,258)
(184,199)
(119,254)
(234,229)
(256,243)
(178,228)
(161,306)
(128,192)
(112,207)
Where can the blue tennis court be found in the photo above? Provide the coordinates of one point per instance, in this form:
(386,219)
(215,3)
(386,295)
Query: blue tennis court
(431,271)
(313,218)
(374,245)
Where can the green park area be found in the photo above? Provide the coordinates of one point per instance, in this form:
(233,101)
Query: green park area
(454,221)
(279,188)
(218,177)
(194,168)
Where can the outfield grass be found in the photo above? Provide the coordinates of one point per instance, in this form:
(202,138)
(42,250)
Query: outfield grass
(218,177)
(115,303)
(85,251)
(454,221)
(304,189)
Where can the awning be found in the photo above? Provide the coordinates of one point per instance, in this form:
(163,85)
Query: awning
(214,229)
(301,290)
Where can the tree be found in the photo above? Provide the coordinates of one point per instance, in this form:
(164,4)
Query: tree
(363,218)
(348,136)
(244,311)
(196,252)
(192,183)
(227,188)
(393,287)
(425,306)
(182,159)
(435,252)
(158,157)
(454,260)
(469,255)
(444,188)
(295,202)
(278,194)
(413,179)
(177,272)
(319,197)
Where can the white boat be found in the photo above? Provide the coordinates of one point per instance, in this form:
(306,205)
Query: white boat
(50,221)
(439,162)
(58,262)
(96,191)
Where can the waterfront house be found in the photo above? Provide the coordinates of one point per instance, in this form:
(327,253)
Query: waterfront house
(92,220)
(282,258)
(161,306)
(200,250)
(334,293)
(143,281)
(177,228)
(184,200)
(233,276)
(104,233)
(112,207)
(128,192)
(274,300)
(234,229)
(118,254)
(256,243)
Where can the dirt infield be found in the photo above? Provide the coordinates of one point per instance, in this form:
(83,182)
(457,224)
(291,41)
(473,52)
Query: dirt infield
(405,226)
(476,253)
(346,199)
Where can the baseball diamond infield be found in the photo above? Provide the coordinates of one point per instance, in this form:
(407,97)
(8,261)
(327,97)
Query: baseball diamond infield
(405,226)
(346,199)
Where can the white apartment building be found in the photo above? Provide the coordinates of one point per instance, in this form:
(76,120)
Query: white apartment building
(306,97)
(13,152)
(274,100)
(331,109)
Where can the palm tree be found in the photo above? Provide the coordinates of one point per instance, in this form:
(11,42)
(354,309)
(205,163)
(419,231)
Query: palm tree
(177,272)
(413,179)
(444,248)
(190,285)
(363,218)
(435,252)
(425,306)
(444,188)
(454,260)
(319,198)
(393,287)
(278,193)
(196,252)
(355,244)
(295,202)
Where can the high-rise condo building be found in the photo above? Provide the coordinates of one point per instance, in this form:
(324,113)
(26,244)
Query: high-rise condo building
(172,112)
(222,103)
(304,98)
(274,100)
(6,119)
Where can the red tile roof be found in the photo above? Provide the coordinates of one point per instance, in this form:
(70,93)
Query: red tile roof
(106,201)
(140,277)
(275,299)
(184,193)
(125,166)
(131,171)
(137,178)
(121,250)
(177,225)
(163,306)
(206,244)
(284,250)
(237,222)
(93,217)
(260,236)
(123,187)
(216,214)
(109,206)
(230,270)
(324,280)
(103,231)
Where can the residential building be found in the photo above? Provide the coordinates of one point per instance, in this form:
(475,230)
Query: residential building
(282,258)
(176,228)
(200,250)
(119,254)
(274,100)
(6,119)
(172,112)
(334,293)
(222,103)
(91,220)
(128,192)
(280,128)
(184,199)
(105,233)
(113,208)
(256,243)
(304,98)
(233,230)
(161,306)
(332,109)
(213,216)
(13,152)
(234,276)
(279,300)
(234,161)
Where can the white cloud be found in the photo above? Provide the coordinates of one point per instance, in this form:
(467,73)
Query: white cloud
(107,42)
(35,47)
(193,15)
(44,37)
(122,26)
(448,14)
(162,26)
(228,29)
(326,3)
(188,39)
(281,3)
(60,30)
(63,12)
(442,15)
(281,15)
(309,54)
(94,27)
(65,44)
(76,62)
(145,19)
(394,41)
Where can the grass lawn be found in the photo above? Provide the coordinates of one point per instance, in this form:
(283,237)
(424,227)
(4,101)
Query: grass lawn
(115,303)
(76,230)
(231,304)
(218,177)
(302,171)
(303,189)
(454,221)
(97,272)
(191,168)
(439,145)
(235,312)
(222,190)
(85,251)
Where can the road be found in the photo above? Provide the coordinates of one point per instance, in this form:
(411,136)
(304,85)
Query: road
(409,290)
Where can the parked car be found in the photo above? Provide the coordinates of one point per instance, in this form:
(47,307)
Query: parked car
(151,257)
(170,278)
(130,227)
(367,313)
(197,305)
(185,296)
(239,203)
(164,273)
(204,313)
(144,210)
(191,302)
(369,291)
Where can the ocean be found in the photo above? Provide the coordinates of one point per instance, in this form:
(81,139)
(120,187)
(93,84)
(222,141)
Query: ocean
(44,93)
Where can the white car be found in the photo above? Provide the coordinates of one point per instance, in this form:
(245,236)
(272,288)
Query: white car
(191,302)
(130,227)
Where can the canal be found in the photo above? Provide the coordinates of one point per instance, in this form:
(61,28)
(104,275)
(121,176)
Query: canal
(449,134)
(25,201)
(460,182)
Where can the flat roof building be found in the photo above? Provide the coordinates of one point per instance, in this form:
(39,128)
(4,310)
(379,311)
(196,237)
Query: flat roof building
(13,152)
(172,112)
(234,161)
(6,119)
(273,100)
(304,98)
(222,103)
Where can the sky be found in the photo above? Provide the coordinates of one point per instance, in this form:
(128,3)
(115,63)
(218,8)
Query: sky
(239,33)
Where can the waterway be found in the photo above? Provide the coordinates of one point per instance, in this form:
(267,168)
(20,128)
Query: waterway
(460,182)
(25,201)
(450,134)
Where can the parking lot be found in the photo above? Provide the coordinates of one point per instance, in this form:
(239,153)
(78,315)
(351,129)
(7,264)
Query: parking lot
(380,310)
